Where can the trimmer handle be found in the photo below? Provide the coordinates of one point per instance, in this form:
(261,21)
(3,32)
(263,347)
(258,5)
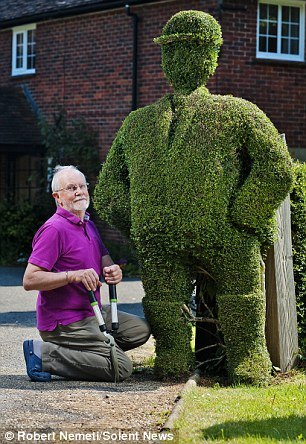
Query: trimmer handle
(97,311)
(113,304)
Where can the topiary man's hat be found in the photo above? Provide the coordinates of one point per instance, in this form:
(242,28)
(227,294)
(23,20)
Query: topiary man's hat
(193,26)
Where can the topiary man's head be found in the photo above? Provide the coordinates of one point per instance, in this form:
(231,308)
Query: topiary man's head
(190,44)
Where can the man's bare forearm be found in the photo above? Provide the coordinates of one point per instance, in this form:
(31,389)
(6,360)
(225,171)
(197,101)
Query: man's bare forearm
(36,278)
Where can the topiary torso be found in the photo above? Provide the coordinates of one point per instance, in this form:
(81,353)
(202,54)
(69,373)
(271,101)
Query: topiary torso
(186,163)
(195,179)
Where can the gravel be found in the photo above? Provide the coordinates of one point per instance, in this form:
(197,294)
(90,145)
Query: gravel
(76,411)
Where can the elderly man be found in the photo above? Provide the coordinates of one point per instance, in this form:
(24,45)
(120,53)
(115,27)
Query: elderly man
(67,260)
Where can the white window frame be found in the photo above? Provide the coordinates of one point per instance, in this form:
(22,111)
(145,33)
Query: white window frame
(300,57)
(17,71)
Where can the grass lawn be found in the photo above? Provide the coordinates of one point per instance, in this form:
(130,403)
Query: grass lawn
(244,414)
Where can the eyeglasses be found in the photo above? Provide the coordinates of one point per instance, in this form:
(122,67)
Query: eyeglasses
(73,188)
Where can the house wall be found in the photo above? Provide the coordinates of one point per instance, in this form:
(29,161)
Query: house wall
(84,63)
(278,88)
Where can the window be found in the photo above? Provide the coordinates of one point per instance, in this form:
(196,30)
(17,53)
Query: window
(21,176)
(281,30)
(23,51)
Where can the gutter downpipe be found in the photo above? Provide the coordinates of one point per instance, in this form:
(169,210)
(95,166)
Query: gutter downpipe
(135,57)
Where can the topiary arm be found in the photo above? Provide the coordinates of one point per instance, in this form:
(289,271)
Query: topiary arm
(270,177)
(111,195)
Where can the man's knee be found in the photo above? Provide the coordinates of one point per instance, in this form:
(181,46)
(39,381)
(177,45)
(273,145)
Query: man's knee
(145,331)
(125,368)
(133,331)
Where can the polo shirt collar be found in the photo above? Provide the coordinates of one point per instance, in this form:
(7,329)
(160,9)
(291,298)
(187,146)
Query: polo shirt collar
(71,217)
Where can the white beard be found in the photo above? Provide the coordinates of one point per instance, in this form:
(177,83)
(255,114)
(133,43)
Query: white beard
(80,205)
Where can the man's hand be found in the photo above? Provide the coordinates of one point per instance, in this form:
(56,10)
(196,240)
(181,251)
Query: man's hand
(88,277)
(37,278)
(112,274)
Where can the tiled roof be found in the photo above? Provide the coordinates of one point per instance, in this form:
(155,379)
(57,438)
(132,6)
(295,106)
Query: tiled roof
(18,11)
(23,8)
(18,124)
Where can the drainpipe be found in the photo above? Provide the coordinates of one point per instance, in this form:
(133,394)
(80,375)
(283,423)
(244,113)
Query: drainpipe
(135,58)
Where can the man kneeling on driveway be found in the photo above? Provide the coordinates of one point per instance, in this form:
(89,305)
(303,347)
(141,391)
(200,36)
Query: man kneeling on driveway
(67,260)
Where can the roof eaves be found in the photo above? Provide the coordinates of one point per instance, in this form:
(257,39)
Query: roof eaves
(72,11)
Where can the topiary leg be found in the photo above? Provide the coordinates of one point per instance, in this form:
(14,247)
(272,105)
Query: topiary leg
(167,289)
(242,320)
(241,309)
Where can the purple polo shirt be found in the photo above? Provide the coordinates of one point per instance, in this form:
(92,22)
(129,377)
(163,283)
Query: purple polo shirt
(65,243)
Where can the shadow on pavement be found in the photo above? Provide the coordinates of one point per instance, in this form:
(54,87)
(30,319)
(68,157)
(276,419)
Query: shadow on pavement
(11,276)
(28,318)
(22,382)
(18,318)
(134,308)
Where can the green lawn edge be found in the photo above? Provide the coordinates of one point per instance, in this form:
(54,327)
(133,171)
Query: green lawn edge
(245,414)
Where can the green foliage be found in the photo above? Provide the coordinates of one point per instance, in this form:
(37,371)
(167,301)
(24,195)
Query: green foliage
(66,143)
(17,227)
(71,143)
(298,223)
(194,37)
(124,254)
(242,319)
(173,335)
(116,193)
(196,179)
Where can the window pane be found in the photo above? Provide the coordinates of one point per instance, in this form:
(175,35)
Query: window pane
(262,44)
(285,13)
(295,15)
(31,49)
(19,62)
(19,50)
(273,28)
(31,36)
(295,31)
(273,12)
(294,46)
(19,39)
(272,44)
(263,27)
(285,30)
(30,62)
(263,11)
(285,46)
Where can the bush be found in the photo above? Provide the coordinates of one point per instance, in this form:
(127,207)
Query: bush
(17,226)
(71,142)
(298,223)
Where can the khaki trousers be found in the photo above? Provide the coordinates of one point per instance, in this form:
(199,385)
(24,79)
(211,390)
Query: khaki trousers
(80,351)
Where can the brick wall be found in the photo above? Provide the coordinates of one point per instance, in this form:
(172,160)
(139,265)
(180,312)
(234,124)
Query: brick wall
(85,64)
(278,88)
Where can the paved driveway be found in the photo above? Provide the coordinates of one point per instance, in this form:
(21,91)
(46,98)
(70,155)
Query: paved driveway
(26,407)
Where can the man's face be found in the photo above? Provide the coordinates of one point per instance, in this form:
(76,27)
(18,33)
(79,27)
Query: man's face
(72,193)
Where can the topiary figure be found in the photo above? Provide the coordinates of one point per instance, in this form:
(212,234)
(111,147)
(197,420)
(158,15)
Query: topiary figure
(195,179)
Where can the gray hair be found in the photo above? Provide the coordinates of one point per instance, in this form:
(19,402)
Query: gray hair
(58,169)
